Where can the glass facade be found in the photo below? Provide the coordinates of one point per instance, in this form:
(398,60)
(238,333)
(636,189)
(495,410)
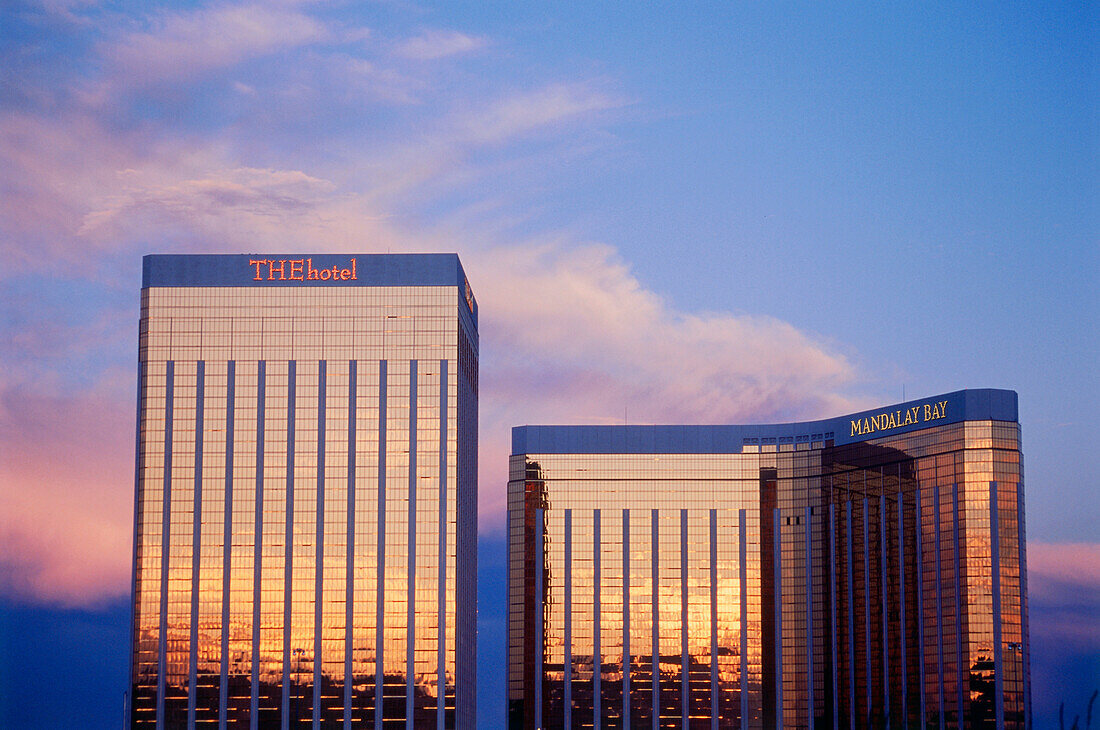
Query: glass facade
(861,572)
(306,494)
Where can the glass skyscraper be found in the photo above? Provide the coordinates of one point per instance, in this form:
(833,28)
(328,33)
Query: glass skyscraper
(306,493)
(860,572)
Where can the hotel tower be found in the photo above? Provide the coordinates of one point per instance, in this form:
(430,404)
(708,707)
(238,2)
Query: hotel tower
(306,493)
(859,572)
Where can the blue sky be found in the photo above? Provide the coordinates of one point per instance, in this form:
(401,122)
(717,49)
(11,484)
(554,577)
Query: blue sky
(728,212)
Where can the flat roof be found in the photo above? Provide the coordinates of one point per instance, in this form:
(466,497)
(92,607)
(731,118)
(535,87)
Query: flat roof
(982,404)
(306,269)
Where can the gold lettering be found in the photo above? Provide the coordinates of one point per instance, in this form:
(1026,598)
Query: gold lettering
(257,263)
(927,412)
(302,270)
(296,269)
(857,429)
(271,269)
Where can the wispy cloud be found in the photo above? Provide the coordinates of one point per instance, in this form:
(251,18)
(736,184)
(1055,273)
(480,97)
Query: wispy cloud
(177,46)
(569,332)
(542,108)
(435,44)
(272,194)
(572,336)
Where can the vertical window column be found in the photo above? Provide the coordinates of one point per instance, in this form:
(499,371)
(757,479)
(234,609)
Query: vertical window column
(851,633)
(349,605)
(714,693)
(257,569)
(743,629)
(685,654)
(1024,638)
(939,605)
(380,605)
(809,559)
(777,552)
(288,542)
(884,550)
(655,623)
(540,598)
(995,554)
(597,652)
(166,535)
(867,658)
(410,576)
(920,607)
(319,566)
(227,540)
(196,542)
(959,663)
(832,613)
(567,649)
(441,564)
(626,619)
(904,642)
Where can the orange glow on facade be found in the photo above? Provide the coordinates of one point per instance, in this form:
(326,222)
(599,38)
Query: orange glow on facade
(306,506)
(802,580)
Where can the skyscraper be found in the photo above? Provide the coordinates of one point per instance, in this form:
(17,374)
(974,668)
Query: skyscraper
(306,493)
(860,572)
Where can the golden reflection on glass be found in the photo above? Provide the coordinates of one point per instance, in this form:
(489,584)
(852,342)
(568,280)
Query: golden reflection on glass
(851,628)
(283,649)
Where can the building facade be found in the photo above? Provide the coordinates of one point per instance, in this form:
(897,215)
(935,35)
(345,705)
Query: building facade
(306,493)
(859,572)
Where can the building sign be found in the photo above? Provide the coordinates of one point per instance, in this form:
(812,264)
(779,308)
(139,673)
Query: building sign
(300,270)
(934,411)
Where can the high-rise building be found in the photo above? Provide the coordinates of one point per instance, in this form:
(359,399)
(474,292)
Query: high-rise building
(306,493)
(858,572)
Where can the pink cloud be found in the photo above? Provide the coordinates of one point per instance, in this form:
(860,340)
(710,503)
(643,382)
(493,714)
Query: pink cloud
(1075,563)
(242,192)
(66,470)
(1064,595)
(571,336)
(569,333)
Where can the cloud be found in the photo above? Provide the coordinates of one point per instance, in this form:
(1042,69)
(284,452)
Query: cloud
(569,332)
(66,502)
(434,44)
(1064,594)
(251,192)
(1065,563)
(543,108)
(571,336)
(179,46)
